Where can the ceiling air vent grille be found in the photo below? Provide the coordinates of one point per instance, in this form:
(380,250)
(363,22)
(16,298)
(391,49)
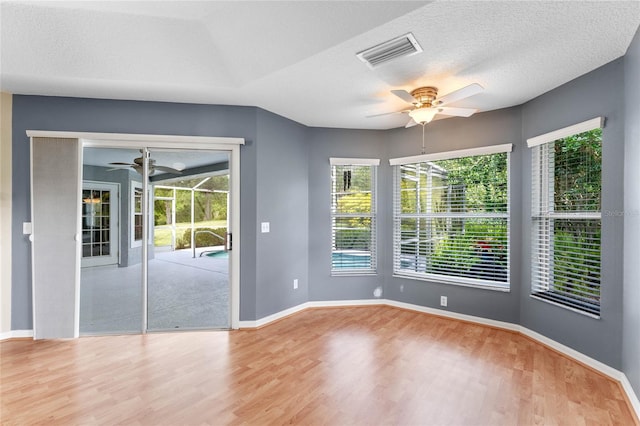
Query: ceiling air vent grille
(398,47)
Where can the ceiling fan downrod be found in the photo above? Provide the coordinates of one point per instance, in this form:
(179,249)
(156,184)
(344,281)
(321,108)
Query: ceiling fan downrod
(423,147)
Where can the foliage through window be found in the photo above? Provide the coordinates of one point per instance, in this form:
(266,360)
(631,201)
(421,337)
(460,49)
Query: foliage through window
(566,219)
(353,218)
(451,220)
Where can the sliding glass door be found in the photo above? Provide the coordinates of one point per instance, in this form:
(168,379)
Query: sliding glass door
(184,282)
(132,232)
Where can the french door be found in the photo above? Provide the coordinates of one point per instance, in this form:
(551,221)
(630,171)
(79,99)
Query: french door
(100,223)
(139,272)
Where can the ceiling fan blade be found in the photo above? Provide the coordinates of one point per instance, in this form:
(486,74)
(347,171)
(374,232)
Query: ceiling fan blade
(405,96)
(411,123)
(118,168)
(457,112)
(119,163)
(404,111)
(168,170)
(465,92)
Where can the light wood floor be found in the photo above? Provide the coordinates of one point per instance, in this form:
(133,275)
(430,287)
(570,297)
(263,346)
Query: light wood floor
(335,366)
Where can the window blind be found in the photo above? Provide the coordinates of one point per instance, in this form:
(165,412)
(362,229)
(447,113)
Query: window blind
(451,220)
(353,217)
(566,221)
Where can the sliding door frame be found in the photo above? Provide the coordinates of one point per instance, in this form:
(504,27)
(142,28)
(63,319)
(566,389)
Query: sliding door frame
(144,142)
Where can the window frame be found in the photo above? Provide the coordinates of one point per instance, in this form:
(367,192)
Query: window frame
(543,214)
(133,195)
(397,218)
(372,215)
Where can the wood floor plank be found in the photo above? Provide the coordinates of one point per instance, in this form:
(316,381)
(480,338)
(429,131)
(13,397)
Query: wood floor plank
(366,365)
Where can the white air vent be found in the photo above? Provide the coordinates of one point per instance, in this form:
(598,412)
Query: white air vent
(399,47)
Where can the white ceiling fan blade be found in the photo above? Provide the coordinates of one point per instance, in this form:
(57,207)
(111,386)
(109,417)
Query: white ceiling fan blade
(179,166)
(168,170)
(457,112)
(118,168)
(411,123)
(465,92)
(404,111)
(405,96)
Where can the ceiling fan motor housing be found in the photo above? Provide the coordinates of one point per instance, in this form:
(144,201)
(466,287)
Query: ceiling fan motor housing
(425,95)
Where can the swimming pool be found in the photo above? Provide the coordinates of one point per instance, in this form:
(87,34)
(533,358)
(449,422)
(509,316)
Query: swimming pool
(351,260)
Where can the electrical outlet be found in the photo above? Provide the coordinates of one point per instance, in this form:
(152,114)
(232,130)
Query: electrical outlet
(264,227)
(443,300)
(295,284)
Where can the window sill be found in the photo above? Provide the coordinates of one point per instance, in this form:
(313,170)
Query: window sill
(353,273)
(554,299)
(484,285)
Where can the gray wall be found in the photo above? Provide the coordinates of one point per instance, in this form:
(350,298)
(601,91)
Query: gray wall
(598,93)
(282,200)
(491,128)
(324,144)
(631,309)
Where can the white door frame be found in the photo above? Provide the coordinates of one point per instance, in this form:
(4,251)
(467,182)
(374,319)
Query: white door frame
(141,141)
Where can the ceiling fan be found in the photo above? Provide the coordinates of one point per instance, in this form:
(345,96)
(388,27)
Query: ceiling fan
(427,104)
(137,166)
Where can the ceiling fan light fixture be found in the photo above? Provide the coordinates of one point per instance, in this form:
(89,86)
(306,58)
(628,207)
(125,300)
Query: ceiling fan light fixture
(423,115)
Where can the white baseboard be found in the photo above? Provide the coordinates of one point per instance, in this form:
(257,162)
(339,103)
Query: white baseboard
(633,398)
(16,334)
(273,317)
(614,374)
(338,303)
(321,304)
(454,315)
(572,353)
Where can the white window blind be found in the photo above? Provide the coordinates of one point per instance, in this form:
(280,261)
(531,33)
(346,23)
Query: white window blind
(451,219)
(566,221)
(353,216)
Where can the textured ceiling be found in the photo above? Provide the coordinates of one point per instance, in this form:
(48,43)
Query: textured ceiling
(297,59)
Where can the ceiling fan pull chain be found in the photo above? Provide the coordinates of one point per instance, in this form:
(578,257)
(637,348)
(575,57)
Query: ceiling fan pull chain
(423,148)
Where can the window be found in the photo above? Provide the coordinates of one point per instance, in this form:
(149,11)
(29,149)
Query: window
(566,217)
(353,216)
(451,217)
(136,214)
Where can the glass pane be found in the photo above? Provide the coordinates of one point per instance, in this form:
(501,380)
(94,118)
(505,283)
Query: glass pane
(137,227)
(189,283)
(577,169)
(352,243)
(471,184)
(471,248)
(111,287)
(576,259)
(351,191)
